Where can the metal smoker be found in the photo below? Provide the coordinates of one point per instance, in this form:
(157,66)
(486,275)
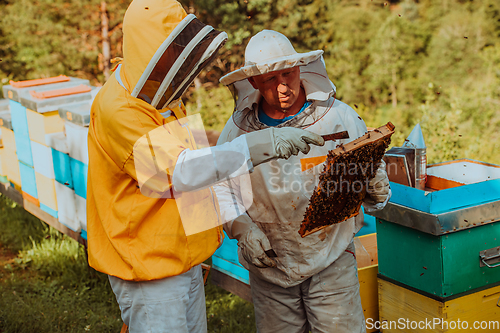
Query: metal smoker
(416,141)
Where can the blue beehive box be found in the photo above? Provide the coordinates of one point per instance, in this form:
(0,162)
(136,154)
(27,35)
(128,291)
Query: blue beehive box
(23,149)
(225,259)
(79,173)
(19,118)
(469,194)
(28,181)
(61,159)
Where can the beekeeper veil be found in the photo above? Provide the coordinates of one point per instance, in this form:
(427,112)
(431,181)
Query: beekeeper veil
(190,47)
(270,51)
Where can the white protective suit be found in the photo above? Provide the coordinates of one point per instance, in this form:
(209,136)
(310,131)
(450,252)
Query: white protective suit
(277,193)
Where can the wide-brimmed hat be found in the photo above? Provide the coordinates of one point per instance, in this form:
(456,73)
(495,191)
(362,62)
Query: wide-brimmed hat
(266,52)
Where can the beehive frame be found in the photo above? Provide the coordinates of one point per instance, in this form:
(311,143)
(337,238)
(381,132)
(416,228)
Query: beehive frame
(327,208)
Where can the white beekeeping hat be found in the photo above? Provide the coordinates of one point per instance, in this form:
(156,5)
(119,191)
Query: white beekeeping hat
(266,52)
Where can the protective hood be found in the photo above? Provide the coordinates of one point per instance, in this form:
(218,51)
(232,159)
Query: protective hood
(164,50)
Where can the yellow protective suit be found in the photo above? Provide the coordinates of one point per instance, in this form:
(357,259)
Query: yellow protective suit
(130,235)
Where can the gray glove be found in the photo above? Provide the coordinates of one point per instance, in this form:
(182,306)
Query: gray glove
(252,242)
(378,187)
(272,143)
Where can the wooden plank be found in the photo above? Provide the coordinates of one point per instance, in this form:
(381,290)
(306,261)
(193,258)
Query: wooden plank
(231,284)
(371,137)
(438,183)
(52,221)
(11,193)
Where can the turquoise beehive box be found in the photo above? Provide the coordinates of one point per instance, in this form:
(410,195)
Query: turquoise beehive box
(445,240)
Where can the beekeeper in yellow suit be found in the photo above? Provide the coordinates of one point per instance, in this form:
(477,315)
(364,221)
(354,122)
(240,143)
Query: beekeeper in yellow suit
(152,215)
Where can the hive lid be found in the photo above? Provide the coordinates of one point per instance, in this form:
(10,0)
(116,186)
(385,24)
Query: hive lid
(51,97)
(13,93)
(78,114)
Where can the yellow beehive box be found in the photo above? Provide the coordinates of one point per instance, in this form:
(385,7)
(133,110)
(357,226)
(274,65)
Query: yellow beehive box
(404,310)
(10,166)
(46,191)
(2,170)
(41,124)
(366,257)
(8,140)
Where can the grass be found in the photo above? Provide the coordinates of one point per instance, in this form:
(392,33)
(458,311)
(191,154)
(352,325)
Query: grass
(47,286)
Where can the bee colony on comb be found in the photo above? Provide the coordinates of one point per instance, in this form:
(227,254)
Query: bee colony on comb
(343,181)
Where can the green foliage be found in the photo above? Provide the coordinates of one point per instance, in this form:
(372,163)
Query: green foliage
(48,287)
(18,229)
(52,37)
(215,106)
(227,312)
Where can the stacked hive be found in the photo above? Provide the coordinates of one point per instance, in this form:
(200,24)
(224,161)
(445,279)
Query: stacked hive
(76,121)
(40,142)
(439,250)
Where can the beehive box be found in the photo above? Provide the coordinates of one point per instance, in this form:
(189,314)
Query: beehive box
(46,189)
(42,124)
(409,311)
(60,159)
(4,105)
(440,253)
(5,119)
(28,183)
(76,122)
(10,166)
(65,194)
(8,138)
(475,191)
(78,114)
(66,203)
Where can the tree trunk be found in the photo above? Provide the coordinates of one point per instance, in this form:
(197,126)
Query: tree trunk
(105,40)
(393,88)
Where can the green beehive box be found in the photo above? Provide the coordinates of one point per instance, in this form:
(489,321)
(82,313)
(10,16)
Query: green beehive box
(452,248)
(439,265)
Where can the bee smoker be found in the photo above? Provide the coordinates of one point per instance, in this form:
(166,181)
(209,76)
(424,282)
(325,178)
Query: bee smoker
(416,141)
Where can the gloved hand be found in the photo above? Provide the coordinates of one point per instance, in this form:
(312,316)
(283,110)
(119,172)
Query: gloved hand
(272,143)
(252,242)
(378,187)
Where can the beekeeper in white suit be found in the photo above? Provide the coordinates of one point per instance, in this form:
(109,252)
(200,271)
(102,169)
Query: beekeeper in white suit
(311,283)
